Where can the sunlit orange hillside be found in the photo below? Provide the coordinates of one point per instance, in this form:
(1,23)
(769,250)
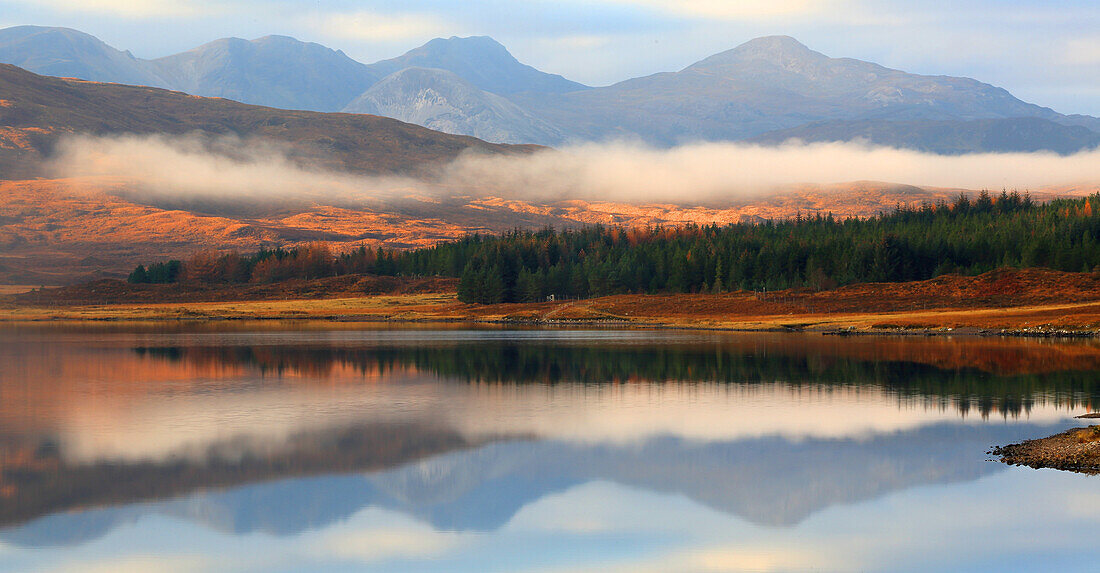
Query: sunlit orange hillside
(57,231)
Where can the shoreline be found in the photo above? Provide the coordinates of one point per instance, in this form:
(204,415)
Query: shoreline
(1030,303)
(865,324)
(1075,450)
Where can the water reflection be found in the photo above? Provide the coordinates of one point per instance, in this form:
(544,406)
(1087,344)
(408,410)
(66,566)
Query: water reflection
(459,437)
(998,377)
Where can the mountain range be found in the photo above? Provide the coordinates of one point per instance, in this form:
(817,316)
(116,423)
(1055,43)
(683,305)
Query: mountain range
(37,111)
(767,90)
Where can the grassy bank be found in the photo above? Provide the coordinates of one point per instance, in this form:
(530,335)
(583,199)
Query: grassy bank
(737,311)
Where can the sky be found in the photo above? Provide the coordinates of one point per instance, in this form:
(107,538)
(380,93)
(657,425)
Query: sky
(1043,51)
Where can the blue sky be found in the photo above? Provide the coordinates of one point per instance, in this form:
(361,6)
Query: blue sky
(1046,52)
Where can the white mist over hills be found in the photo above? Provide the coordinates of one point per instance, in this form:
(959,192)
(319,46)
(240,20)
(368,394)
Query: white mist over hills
(191,167)
(770,89)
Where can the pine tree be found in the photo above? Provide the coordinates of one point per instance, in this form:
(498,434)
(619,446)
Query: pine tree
(138,276)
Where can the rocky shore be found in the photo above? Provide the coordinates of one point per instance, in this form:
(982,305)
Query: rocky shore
(1076,450)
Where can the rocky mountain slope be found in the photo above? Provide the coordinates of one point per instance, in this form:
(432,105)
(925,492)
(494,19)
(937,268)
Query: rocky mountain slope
(441,100)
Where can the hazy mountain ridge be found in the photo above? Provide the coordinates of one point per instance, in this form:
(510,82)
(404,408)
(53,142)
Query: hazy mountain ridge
(754,91)
(1086,121)
(1006,135)
(782,64)
(274,71)
(64,52)
(277,71)
(769,84)
(483,62)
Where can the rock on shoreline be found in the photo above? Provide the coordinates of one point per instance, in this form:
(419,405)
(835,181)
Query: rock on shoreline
(1076,450)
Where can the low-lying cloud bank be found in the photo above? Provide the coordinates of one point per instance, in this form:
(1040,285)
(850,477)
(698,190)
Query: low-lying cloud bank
(201,167)
(196,166)
(708,171)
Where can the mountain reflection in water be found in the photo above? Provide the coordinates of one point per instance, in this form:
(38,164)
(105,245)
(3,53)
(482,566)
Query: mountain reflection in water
(287,432)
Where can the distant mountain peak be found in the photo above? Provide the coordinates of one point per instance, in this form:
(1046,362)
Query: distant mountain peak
(28,30)
(482,40)
(781,51)
(468,47)
(767,45)
(272,40)
(66,52)
(55,35)
(285,40)
(277,71)
(483,62)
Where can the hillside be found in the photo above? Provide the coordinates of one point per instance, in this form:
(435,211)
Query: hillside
(36,111)
(61,231)
(58,231)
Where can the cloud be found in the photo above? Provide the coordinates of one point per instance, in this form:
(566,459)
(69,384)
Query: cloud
(1083,51)
(739,10)
(577,42)
(777,557)
(381,544)
(713,171)
(371,26)
(139,564)
(142,9)
(195,166)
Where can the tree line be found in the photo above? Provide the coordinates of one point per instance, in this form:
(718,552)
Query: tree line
(966,236)
(311,261)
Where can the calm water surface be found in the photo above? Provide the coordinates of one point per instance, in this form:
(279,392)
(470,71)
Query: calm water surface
(268,447)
